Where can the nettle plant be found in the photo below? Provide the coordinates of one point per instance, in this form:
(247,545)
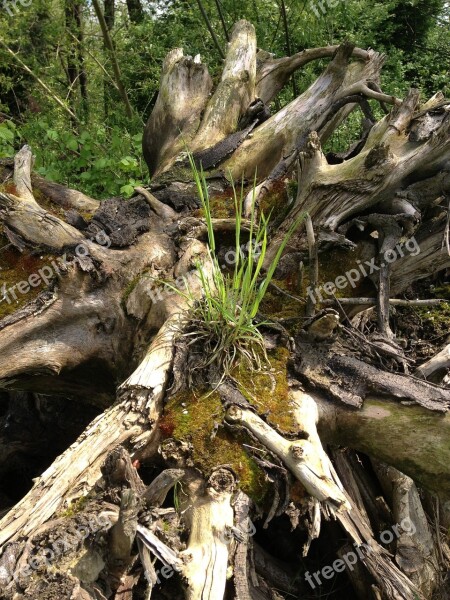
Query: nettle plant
(100,161)
(8,135)
(224,329)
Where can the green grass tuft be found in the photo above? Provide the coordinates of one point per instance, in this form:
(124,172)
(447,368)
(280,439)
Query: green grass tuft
(223,327)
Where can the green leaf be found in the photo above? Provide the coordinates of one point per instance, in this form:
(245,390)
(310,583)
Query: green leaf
(6,151)
(72,144)
(127,190)
(52,134)
(101,163)
(6,133)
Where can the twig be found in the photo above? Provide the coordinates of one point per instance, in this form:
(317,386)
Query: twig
(447,229)
(41,83)
(285,293)
(112,53)
(354,332)
(393,301)
(210,29)
(288,41)
(313,264)
(222,19)
(95,59)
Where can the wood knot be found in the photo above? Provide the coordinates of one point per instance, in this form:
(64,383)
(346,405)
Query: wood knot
(222,480)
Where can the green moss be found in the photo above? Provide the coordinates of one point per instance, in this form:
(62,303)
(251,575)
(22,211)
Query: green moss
(75,507)
(268,390)
(130,287)
(390,420)
(195,416)
(443,291)
(435,318)
(278,305)
(332,264)
(276,202)
(180,171)
(336,263)
(221,205)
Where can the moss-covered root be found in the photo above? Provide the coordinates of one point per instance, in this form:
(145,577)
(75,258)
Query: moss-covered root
(412,438)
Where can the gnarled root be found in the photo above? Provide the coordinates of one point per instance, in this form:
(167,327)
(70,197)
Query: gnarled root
(209,516)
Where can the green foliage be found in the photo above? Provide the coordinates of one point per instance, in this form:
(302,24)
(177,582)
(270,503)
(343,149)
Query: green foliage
(8,135)
(223,321)
(103,162)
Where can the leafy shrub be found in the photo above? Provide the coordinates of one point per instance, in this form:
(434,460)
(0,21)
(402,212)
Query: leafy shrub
(101,161)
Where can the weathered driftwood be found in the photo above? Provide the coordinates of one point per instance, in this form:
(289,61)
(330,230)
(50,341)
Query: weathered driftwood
(416,546)
(209,516)
(439,362)
(305,458)
(378,419)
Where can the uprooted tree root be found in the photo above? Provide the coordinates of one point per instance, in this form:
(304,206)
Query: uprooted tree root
(253,481)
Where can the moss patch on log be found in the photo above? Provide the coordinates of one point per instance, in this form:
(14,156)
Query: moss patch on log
(276,202)
(437,317)
(389,421)
(76,506)
(425,327)
(280,306)
(197,416)
(267,390)
(221,205)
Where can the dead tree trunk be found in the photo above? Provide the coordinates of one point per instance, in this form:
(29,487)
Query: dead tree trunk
(338,435)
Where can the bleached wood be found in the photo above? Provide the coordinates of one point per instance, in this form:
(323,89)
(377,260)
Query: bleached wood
(282,133)
(209,516)
(24,216)
(184,90)
(416,546)
(305,458)
(440,361)
(273,73)
(235,91)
